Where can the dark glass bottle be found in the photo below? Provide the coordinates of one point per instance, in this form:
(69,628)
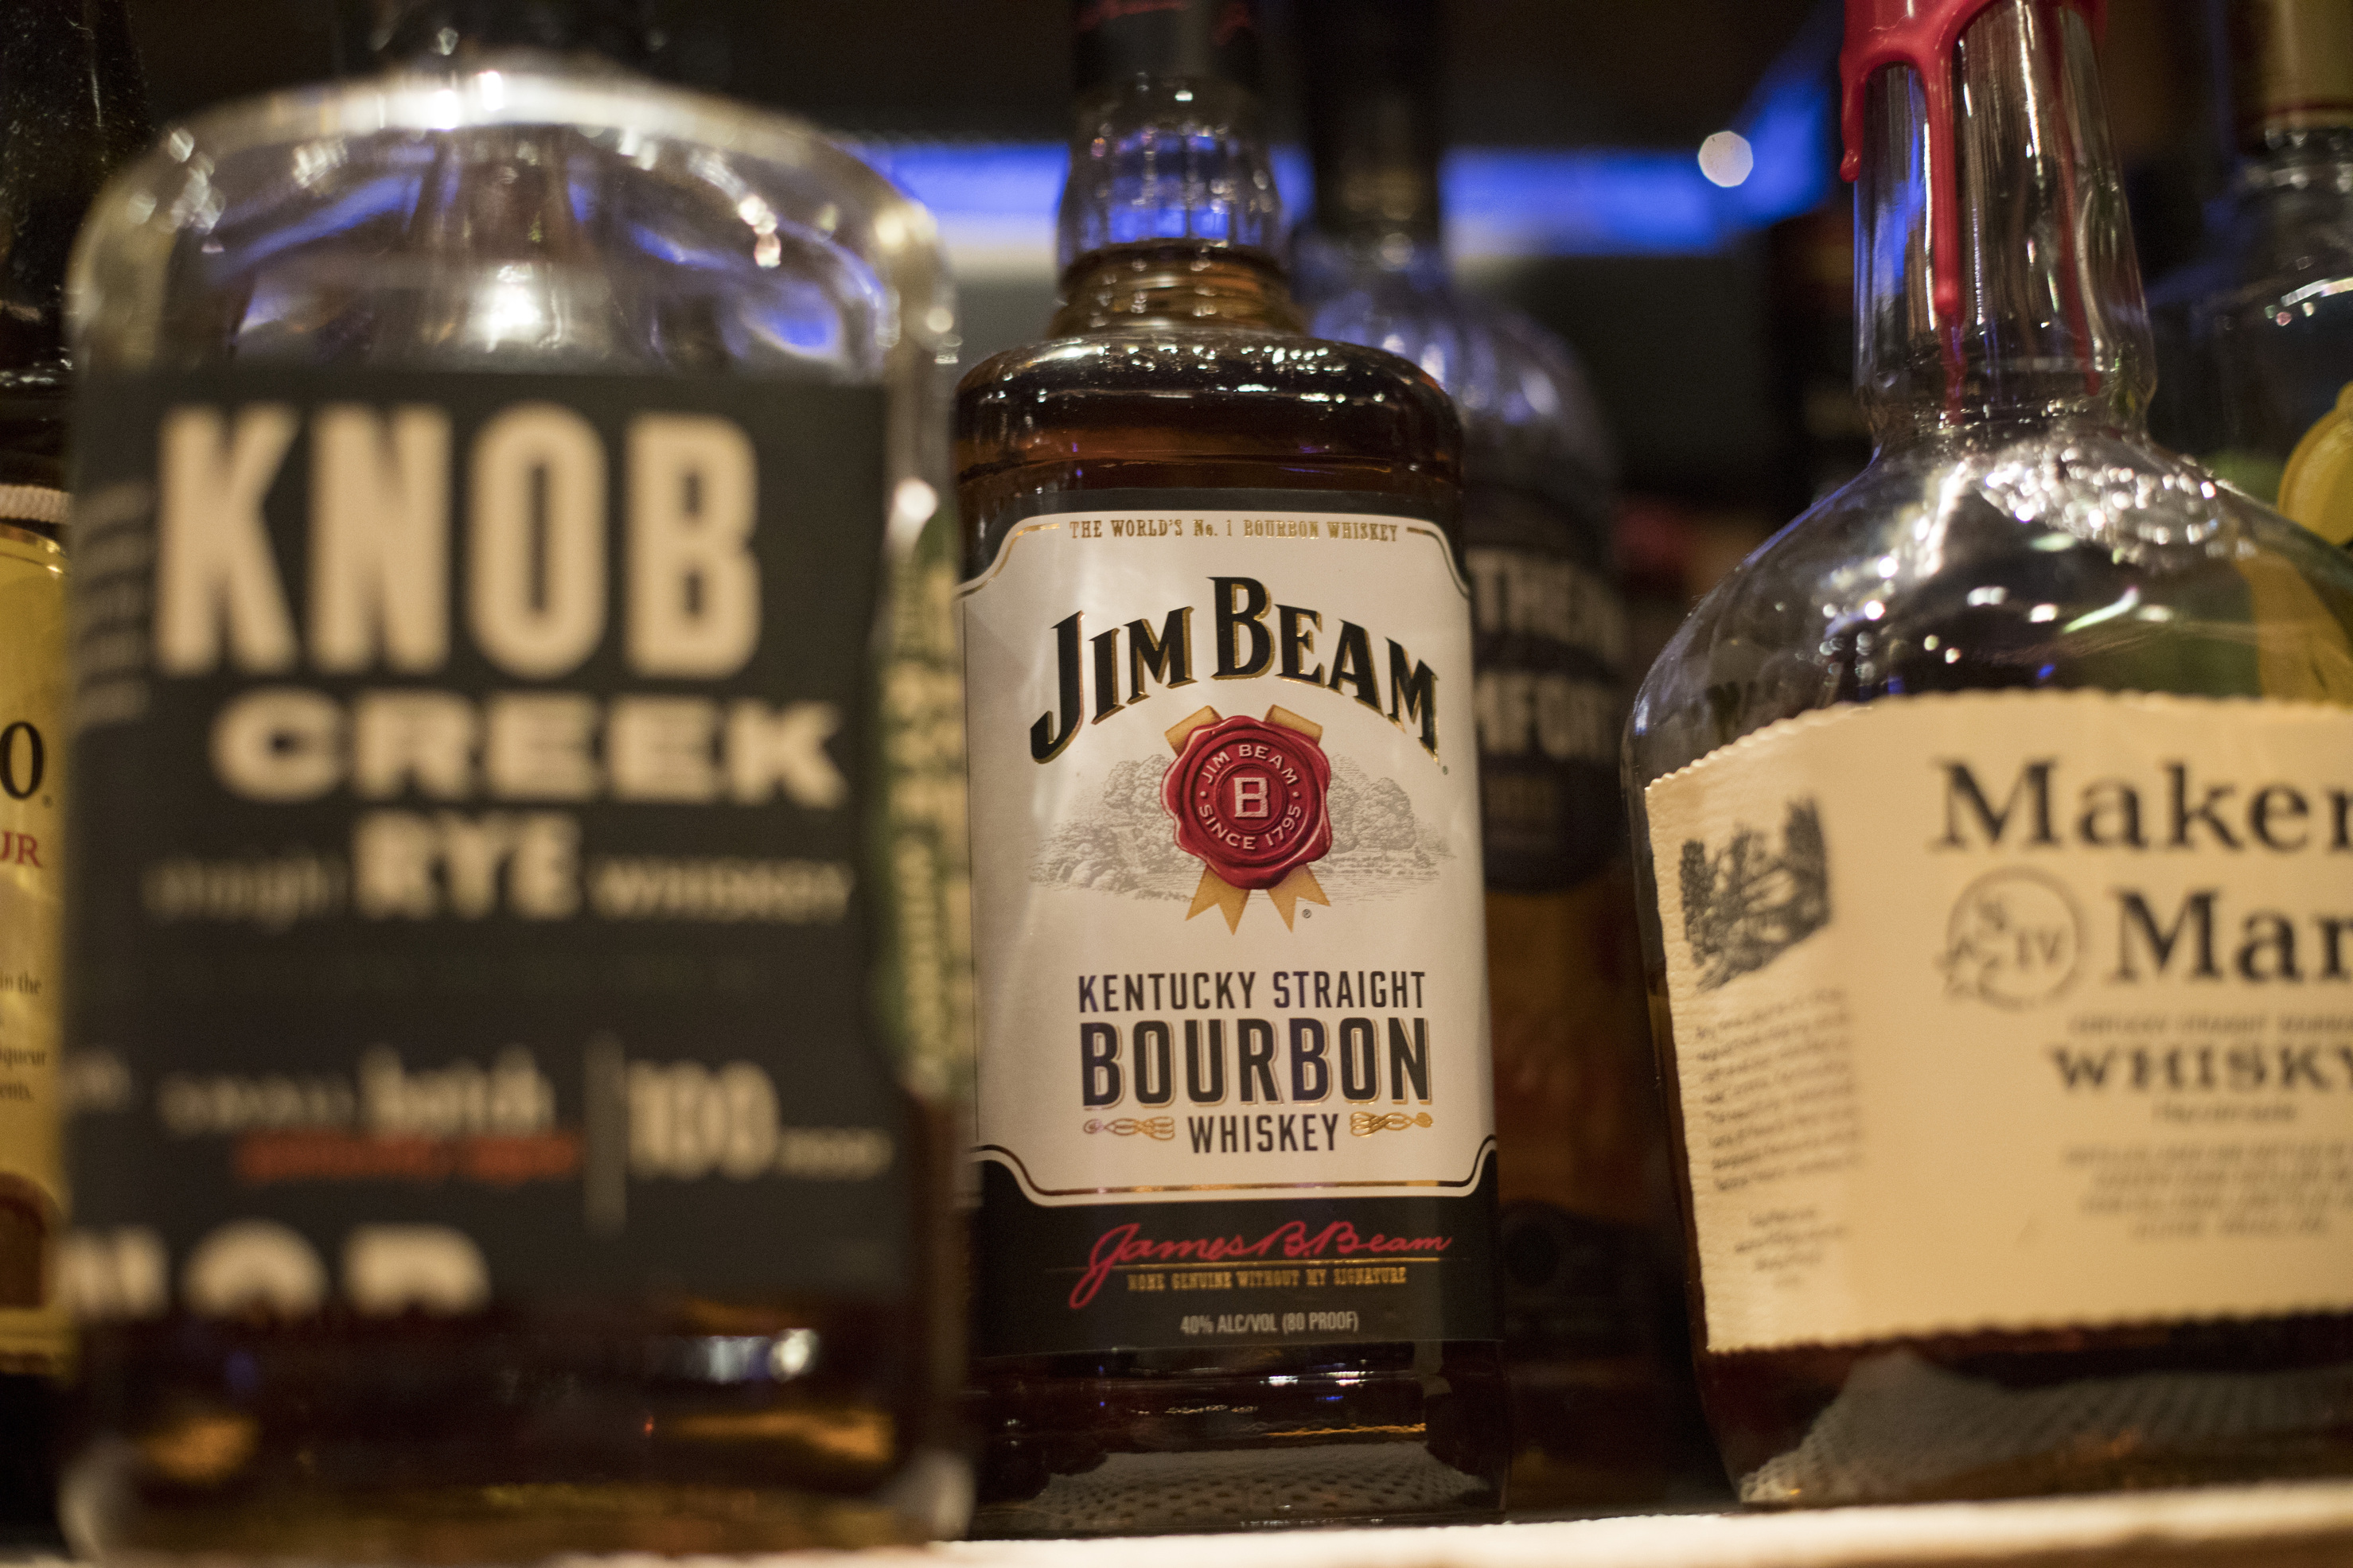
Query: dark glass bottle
(1180,1321)
(71,109)
(1592,1317)
(587,1194)
(2256,336)
(1988,1196)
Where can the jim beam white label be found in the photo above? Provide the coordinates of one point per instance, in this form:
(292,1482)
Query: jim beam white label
(32,1331)
(2013,1010)
(1228,909)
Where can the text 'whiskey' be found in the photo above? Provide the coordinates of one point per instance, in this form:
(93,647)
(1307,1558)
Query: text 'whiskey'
(1235,1251)
(1998,820)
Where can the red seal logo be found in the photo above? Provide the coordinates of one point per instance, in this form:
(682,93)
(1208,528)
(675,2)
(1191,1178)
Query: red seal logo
(1249,798)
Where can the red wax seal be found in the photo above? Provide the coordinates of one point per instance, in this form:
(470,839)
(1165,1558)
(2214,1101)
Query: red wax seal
(1249,800)
(1923,35)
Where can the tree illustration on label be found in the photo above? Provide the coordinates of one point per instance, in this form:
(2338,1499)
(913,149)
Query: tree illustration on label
(1250,799)
(1749,903)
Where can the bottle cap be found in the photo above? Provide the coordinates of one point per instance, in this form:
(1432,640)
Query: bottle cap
(1923,35)
(2292,65)
(1201,39)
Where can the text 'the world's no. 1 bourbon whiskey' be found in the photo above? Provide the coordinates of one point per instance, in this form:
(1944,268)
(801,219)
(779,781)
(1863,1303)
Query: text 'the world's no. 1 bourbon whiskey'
(1235,1259)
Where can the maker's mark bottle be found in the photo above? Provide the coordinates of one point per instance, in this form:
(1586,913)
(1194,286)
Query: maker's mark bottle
(1999,817)
(1235,1259)
(496,1134)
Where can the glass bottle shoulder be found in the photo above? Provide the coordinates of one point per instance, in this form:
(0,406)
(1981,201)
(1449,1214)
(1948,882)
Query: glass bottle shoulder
(1165,404)
(1525,405)
(1323,389)
(523,208)
(2069,557)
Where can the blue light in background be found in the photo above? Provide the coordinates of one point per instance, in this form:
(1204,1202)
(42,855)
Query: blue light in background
(1500,203)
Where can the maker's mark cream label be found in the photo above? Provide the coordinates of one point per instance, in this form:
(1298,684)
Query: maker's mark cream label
(2014,1010)
(1233,1081)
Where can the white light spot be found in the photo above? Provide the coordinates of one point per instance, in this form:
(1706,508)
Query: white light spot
(2043,613)
(911,506)
(790,1352)
(1725,158)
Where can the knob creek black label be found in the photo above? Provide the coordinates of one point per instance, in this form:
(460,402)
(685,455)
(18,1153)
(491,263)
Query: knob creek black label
(471,887)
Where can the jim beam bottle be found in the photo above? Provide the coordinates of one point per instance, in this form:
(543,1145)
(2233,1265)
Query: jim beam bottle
(513,1030)
(1998,819)
(70,110)
(1235,1255)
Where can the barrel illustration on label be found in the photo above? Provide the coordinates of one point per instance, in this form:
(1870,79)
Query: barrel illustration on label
(1233,1085)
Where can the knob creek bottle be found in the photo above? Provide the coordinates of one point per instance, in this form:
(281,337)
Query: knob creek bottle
(1235,1251)
(510,1100)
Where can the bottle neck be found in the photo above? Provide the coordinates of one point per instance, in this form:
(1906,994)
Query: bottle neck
(1996,284)
(439,32)
(75,110)
(1170,213)
(2292,78)
(1375,131)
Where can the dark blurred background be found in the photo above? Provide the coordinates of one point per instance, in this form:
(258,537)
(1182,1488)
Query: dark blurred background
(1714,320)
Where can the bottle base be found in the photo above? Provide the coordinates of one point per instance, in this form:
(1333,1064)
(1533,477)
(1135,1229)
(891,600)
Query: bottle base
(2033,1415)
(1147,1444)
(505,1439)
(491,1525)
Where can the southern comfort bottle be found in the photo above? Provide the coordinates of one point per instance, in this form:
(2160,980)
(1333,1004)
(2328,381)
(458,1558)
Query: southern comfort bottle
(1999,817)
(71,111)
(1592,1318)
(1235,1254)
(508,1029)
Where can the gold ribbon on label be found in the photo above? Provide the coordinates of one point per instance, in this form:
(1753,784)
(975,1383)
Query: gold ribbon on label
(1365,1123)
(1161,1127)
(1214,892)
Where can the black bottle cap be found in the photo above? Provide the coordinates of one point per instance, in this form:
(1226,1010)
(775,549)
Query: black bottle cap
(1212,39)
(619,29)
